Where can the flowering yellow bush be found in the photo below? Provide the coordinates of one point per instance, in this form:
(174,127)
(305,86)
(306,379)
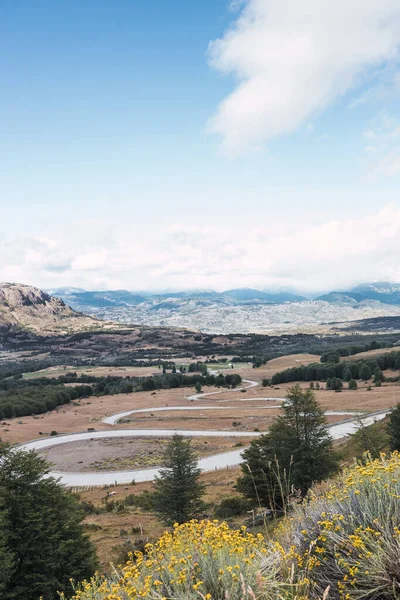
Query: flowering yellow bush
(348,537)
(202,559)
(343,542)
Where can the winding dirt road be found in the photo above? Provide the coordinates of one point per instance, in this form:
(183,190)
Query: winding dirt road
(210,463)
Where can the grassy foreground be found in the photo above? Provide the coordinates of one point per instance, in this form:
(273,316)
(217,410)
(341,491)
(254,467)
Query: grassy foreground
(342,542)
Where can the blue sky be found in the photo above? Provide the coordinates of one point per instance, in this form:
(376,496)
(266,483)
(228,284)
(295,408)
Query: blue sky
(180,144)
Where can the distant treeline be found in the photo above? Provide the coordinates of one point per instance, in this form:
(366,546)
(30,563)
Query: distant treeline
(347,370)
(23,397)
(334,356)
(25,401)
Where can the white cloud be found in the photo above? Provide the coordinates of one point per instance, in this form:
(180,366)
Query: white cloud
(383,137)
(292,58)
(331,254)
(388,165)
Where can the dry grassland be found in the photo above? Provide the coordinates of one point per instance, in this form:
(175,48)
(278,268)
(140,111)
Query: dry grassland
(369,354)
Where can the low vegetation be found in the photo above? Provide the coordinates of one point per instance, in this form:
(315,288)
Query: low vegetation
(362,369)
(42,540)
(342,541)
(23,397)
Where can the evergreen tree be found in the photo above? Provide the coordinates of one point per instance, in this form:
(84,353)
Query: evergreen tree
(347,375)
(42,529)
(394,428)
(353,384)
(378,377)
(297,451)
(6,557)
(337,384)
(178,491)
(365,372)
(370,438)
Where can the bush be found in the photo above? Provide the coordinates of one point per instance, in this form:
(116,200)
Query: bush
(226,564)
(348,537)
(353,384)
(342,542)
(232,507)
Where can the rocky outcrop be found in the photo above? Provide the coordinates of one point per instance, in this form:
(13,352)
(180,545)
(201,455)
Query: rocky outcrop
(27,307)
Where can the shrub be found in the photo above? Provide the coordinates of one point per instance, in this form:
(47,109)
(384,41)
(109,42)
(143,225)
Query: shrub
(231,507)
(196,560)
(348,537)
(353,384)
(342,542)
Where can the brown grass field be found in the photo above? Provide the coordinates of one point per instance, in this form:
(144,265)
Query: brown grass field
(369,354)
(115,528)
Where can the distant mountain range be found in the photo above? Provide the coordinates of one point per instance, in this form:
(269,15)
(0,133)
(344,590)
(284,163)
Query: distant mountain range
(387,293)
(240,310)
(368,307)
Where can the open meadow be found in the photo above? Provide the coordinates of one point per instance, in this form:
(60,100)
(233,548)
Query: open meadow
(247,409)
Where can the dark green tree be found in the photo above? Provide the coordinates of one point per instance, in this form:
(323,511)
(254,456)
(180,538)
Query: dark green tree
(178,490)
(337,384)
(365,372)
(370,438)
(297,451)
(353,384)
(347,375)
(197,387)
(394,428)
(378,377)
(263,481)
(42,529)
(6,557)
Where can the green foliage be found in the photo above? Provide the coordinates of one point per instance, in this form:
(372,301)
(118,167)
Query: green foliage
(42,531)
(232,507)
(370,438)
(348,536)
(178,491)
(296,452)
(336,384)
(361,369)
(34,400)
(365,372)
(378,376)
(347,375)
(353,384)
(394,428)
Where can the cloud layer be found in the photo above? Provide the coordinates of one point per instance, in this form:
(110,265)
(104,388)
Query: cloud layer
(334,254)
(292,58)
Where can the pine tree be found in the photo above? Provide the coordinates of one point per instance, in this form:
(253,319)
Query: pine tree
(297,451)
(6,557)
(378,377)
(347,375)
(370,438)
(353,384)
(365,372)
(394,428)
(42,529)
(178,491)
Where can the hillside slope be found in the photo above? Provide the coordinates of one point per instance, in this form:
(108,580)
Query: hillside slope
(26,307)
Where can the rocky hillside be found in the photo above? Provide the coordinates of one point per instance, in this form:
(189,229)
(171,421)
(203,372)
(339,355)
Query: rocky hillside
(27,307)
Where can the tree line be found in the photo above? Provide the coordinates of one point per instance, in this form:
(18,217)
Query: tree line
(24,397)
(359,369)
